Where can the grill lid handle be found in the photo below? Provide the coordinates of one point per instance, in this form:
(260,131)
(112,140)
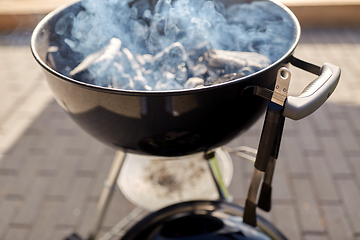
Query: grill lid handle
(315,94)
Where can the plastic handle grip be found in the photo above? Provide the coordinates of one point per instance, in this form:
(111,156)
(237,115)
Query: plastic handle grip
(314,95)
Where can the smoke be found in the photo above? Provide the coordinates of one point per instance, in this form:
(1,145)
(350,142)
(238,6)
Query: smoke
(259,26)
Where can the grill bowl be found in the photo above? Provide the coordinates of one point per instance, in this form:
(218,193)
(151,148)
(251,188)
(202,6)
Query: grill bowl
(171,123)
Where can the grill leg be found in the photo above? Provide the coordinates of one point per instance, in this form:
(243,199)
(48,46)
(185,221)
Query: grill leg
(106,194)
(215,172)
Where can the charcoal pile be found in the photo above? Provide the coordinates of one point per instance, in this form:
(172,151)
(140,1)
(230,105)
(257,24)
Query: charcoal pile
(173,45)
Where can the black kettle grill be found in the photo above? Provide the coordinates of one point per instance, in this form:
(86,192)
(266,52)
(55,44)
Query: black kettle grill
(183,122)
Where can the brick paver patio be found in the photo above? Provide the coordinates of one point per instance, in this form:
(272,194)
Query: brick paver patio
(51,172)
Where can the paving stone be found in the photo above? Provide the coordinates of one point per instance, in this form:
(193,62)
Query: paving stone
(45,225)
(309,215)
(238,187)
(79,143)
(291,150)
(334,156)
(7,179)
(26,176)
(308,135)
(74,206)
(290,128)
(8,210)
(18,154)
(17,234)
(268,216)
(335,110)
(255,130)
(346,135)
(281,188)
(323,182)
(12,89)
(17,121)
(349,74)
(45,139)
(61,233)
(285,218)
(101,176)
(322,121)
(93,157)
(64,177)
(47,167)
(251,139)
(336,223)
(119,206)
(54,144)
(316,237)
(36,101)
(355,166)
(350,194)
(88,219)
(33,202)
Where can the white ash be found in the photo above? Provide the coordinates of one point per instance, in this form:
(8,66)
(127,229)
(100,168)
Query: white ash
(236,60)
(217,66)
(194,82)
(107,55)
(130,45)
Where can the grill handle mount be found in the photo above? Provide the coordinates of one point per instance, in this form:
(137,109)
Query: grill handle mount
(314,94)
